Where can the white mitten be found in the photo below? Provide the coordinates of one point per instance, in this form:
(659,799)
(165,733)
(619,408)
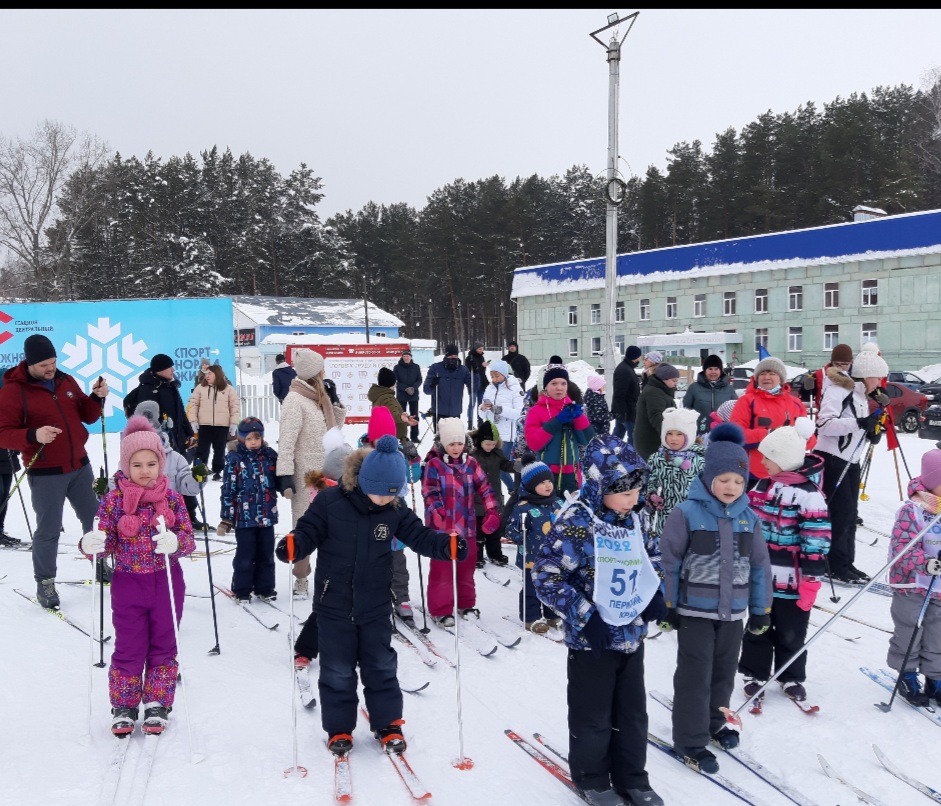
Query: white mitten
(165,542)
(93,542)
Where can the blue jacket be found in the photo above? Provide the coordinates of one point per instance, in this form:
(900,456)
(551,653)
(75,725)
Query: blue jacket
(249,489)
(281,378)
(715,559)
(531,520)
(406,376)
(446,384)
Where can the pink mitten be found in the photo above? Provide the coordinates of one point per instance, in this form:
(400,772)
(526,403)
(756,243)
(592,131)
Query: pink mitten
(655,501)
(491,522)
(808,593)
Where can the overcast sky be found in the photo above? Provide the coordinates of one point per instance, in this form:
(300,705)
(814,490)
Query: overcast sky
(388,106)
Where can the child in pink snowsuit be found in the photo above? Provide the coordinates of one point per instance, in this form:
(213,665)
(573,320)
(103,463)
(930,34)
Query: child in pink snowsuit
(450,482)
(143,665)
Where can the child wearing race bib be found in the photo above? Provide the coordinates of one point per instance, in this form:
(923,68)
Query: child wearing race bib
(910,579)
(674,466)
(716,574)
(594,569)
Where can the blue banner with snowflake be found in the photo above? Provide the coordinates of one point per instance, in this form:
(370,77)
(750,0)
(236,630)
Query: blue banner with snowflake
(117,339)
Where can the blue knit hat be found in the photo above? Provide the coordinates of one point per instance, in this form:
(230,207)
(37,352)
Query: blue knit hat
(249,426)
(383,471)
(499,365)
(725,454)
(534,474)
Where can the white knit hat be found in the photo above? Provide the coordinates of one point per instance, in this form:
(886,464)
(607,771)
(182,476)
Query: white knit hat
(787,446)
(683,420)
(868,363)
(306,363)
(451,429)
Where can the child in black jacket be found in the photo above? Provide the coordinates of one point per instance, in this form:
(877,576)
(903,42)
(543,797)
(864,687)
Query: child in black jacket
(488,451)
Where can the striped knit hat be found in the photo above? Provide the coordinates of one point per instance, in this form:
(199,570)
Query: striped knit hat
(534,474)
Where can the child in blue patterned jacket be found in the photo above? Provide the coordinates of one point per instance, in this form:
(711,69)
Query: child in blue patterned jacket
(250,504)
(530,521)
(715,575)
(594,570)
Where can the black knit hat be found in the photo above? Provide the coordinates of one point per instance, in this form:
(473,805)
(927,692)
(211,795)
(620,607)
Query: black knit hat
(712,361)
(386,377)
(451,349)
(552,374)
(632,353)
(555,359)
(160,362)
(37,348)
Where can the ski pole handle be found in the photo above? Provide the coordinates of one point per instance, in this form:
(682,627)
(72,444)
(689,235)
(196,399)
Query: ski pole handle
(289,545)
(454,546)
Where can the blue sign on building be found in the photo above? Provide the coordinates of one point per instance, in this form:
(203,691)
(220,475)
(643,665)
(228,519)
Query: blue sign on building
(117,339)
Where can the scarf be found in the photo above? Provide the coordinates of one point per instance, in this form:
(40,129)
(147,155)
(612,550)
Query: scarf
(129,524)
(319,397)
(927,501)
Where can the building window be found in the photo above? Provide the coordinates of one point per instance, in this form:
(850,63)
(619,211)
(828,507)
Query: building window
(671,307)
(870,294)
(831,336)
(380,333)
(619,345)
(870,332)
(699,305)
(573,314)
(831,295)
(573,347)
(795,298)
(645,309)
(728,303)
(596,313)
(618,311)
(795,339)
(761,338)
(761,300)
(596,345)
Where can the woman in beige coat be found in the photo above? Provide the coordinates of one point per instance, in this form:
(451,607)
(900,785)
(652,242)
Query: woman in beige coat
(213,411)
(308,412)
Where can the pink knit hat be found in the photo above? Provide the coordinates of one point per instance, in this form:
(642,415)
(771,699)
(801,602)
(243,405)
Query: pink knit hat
(596,382)
(931,469)
(380,424)
(139,435)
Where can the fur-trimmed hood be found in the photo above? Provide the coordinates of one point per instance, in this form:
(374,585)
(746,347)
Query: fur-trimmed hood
(840,378)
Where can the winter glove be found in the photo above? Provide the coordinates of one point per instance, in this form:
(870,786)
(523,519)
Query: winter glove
(200,472)
(195,427)
(595,632)
(223,528)
(232,430)
(932,567)
(655,501)
(409,451)
(100,487)
(414,471)
(715,420)
(810,382)
(285,485)
(94,543)
(497,411)
(410,390)
(758,625)
(808,593)
(165,543)
(656,610)
(881,398)
(491,522)
(458,548)
(566,415)
(331,388)
(670,621)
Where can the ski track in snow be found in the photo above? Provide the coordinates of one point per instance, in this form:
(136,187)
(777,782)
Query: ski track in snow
(241,699)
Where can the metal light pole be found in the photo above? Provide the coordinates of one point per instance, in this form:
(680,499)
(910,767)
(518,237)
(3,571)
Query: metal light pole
(366,306)
(614,191)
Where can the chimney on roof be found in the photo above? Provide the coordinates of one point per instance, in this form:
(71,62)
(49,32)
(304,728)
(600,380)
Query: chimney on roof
(863,213)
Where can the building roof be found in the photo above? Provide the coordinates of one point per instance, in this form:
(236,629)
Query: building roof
(892,236)
(315,312)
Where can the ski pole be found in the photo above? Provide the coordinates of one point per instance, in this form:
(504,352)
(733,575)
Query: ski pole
(212,588)
(29,527)
(886,707)
(19,481)
(898,476)
(733,716)
(523,589)
(833,597)
(851,460)
(461,762)
(864,473)
(421,579)
(161,528)
(296,769)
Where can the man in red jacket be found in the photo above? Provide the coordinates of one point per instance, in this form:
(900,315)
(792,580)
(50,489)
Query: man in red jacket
(43,413)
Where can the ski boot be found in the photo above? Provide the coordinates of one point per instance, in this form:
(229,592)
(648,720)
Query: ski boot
(699,758)
(268,597)
(933,691)
(391,737)
(753,685)
(910,689)
(300,588)
(155,718)
(602,797)
(538,627)
(404,612)
(8,541)
(444,621)
(726,738)
(795,690)
(47,595)
(301,662)
(641,796)
(122,721)
(103,572)
(340,744)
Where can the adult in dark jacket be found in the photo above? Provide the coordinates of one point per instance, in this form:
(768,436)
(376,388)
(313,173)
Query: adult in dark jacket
(43,413)
(518,362)
(625,393)
(158,384)
(281,377)
(710,390)
(445,384)
(351,528)
(477,363)
(658,395)
(407,386)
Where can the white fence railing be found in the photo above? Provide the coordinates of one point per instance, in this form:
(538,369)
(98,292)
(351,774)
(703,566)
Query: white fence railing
(260,402)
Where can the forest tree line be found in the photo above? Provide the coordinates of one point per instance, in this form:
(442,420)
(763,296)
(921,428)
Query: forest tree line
(81,223)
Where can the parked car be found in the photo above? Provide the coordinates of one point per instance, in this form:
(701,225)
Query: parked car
(909,379)
(740,378)
(930,423)
(932,391)
(907,406)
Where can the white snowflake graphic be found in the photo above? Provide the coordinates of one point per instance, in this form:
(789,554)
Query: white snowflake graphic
(108,354)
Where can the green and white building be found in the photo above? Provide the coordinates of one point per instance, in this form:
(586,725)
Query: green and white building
(798,293)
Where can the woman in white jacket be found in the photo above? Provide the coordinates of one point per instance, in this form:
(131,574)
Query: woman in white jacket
(309,411)
(214,412)
(501,405)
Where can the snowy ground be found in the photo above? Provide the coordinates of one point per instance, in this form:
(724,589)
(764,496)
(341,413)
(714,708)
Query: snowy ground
(238,704)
